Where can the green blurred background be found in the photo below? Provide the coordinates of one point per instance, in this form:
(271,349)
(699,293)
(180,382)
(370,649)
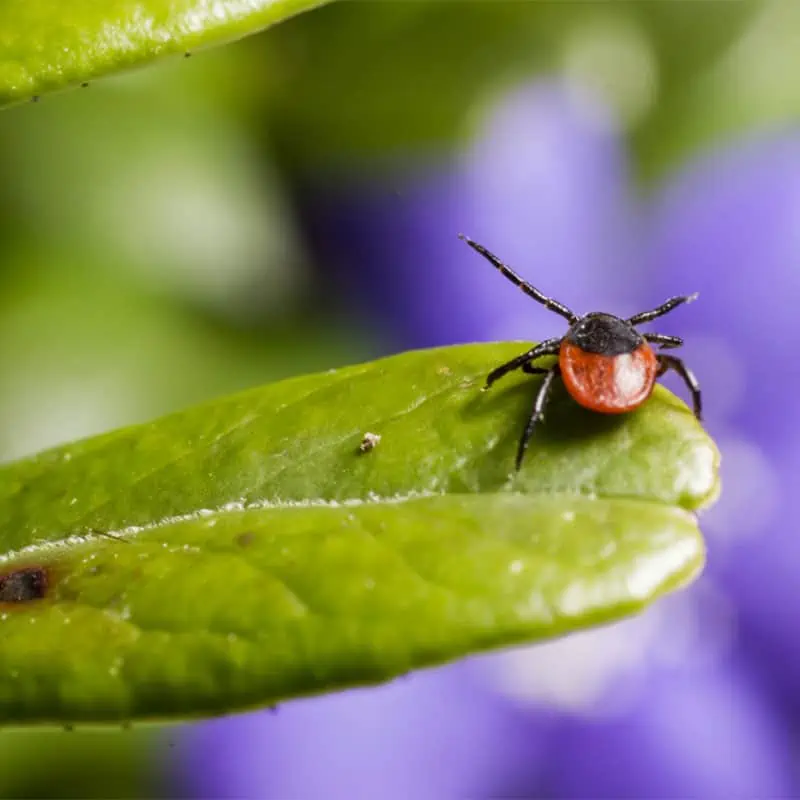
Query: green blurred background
(150,255)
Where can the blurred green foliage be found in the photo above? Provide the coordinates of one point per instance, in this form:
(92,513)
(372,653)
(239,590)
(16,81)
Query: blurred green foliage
(82,764)
(140,269)
(358,78)
(149,258)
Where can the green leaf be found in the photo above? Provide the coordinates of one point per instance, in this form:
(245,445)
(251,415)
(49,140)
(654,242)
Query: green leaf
(47,44)
(249,550)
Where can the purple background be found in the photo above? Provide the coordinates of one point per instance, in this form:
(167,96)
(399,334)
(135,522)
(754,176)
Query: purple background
(699,697)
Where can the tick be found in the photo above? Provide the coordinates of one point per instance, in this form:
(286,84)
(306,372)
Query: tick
(606,364)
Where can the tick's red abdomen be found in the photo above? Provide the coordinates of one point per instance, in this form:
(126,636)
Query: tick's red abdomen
(608,384)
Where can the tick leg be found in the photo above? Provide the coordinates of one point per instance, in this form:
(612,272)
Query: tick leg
(531,291)
(549,347)
(671,362)
(529,369)
(662,340)
(664,308)
(538,413)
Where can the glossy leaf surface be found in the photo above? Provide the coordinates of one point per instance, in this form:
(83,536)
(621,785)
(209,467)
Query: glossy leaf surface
(249,550)
(47,45)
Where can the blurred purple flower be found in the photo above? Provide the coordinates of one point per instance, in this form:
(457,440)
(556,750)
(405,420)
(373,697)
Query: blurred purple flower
(731,226)
(435,735)
(548,190)
(695,734)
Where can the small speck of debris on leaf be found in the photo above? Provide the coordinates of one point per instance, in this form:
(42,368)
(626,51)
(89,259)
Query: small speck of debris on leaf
(369,441)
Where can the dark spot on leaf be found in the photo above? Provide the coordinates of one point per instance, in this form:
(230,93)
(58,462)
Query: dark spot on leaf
(23,585)
(187,55)
(245,539)
(69,727)
(85,85)
(35,98)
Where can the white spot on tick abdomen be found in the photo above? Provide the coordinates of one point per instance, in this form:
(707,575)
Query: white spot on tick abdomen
(630,374)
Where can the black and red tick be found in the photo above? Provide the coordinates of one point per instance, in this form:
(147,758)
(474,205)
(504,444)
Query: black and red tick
(606,364)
